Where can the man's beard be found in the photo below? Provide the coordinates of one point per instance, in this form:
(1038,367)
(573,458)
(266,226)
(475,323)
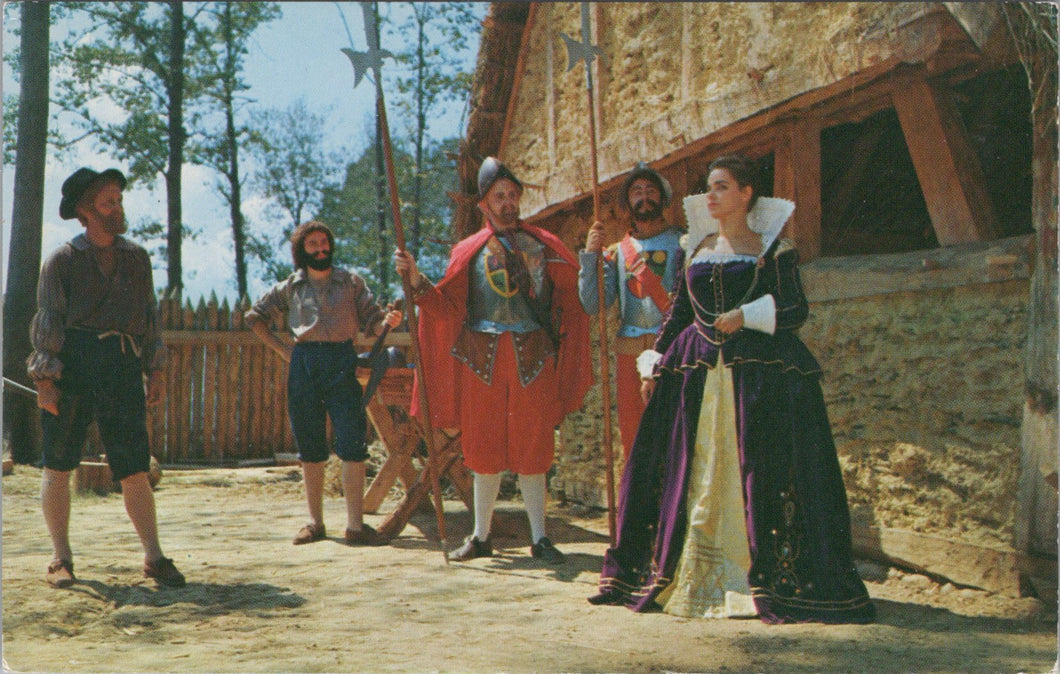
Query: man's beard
(647,210)
(508,216)
(319,264)
(114,224)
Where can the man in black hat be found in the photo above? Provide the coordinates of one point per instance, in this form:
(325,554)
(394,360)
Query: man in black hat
(505,349)
(639,271)
(98,355)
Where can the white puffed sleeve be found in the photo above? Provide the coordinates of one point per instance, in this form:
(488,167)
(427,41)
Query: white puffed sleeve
(761,315)
(646,363)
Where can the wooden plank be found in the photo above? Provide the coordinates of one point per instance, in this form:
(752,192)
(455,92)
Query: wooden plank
(395,522)
(993,570)
(172,367)
(399,446)
(269,409)
(947,166)
(963,265)
(225,366)
(184,421)
(179,409)
(260,401)
(195,392)
(230,411)
(251,372)
(210,365)
(156,424)
(805,225)
(280,424)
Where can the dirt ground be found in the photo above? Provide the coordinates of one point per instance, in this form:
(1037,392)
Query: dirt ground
(255,603)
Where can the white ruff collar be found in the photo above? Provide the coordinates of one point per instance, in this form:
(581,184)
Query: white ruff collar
(766,219)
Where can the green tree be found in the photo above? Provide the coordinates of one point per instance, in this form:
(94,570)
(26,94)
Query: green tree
(134,56)
(435,35)
(293,170)
(27,218)
(351,210)
(225,45)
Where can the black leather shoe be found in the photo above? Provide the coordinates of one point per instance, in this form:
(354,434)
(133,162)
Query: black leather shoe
(544,550)
(606,598)
(471,549)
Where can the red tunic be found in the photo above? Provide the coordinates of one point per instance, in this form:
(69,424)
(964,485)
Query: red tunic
(443,310)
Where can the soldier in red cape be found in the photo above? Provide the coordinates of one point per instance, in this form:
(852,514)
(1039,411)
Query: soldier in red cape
(505,348)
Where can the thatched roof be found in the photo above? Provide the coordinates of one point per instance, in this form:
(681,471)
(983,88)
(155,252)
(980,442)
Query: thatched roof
(494,80)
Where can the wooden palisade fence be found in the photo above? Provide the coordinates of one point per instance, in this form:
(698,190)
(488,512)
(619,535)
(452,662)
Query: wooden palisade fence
(226,395)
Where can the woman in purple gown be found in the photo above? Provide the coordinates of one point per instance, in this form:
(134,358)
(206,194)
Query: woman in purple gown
(732,502)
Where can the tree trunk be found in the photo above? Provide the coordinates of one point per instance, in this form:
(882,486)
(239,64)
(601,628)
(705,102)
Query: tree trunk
(24,256)
(239,235)
(175,92)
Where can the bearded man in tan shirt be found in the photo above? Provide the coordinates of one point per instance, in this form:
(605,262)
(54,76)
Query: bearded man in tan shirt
(325,308)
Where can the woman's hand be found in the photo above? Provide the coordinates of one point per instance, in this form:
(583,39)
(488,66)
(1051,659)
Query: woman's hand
(729,322)
(647,387)
(406,266)
(393,318)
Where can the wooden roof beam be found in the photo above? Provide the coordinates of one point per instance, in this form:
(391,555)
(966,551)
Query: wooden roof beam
(947,166)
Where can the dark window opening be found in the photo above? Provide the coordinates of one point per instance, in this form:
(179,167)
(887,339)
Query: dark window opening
(871,200)
(996,110)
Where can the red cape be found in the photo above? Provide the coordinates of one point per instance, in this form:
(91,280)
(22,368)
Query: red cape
(442,316)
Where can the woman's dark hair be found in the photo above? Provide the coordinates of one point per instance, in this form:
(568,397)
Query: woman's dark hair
(303,230)
(743,169)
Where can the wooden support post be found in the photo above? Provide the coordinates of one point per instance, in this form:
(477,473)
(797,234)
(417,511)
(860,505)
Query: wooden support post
(399,448)
(949,171)
(797,176)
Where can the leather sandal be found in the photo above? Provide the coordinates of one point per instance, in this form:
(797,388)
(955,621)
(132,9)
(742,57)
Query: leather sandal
(310,533)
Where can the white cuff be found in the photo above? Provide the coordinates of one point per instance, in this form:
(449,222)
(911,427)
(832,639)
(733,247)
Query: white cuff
(761,315)
(646,362)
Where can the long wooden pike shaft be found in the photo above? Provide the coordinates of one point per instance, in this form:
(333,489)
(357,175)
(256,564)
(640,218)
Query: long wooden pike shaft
(399,235)
(601,314)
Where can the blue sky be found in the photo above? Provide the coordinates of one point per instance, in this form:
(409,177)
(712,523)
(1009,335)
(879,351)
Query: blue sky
(296,56)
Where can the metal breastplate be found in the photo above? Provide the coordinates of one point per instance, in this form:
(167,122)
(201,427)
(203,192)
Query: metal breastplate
(494,303)
(639,313)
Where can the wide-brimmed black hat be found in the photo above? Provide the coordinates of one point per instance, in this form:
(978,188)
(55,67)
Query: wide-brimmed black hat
(642,170)
(78,183)
(490,172)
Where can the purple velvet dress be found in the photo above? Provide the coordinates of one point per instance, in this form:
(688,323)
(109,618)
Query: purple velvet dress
(798,523)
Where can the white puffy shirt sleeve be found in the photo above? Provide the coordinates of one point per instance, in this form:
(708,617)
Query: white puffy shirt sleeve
(646,362)
(761,314)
